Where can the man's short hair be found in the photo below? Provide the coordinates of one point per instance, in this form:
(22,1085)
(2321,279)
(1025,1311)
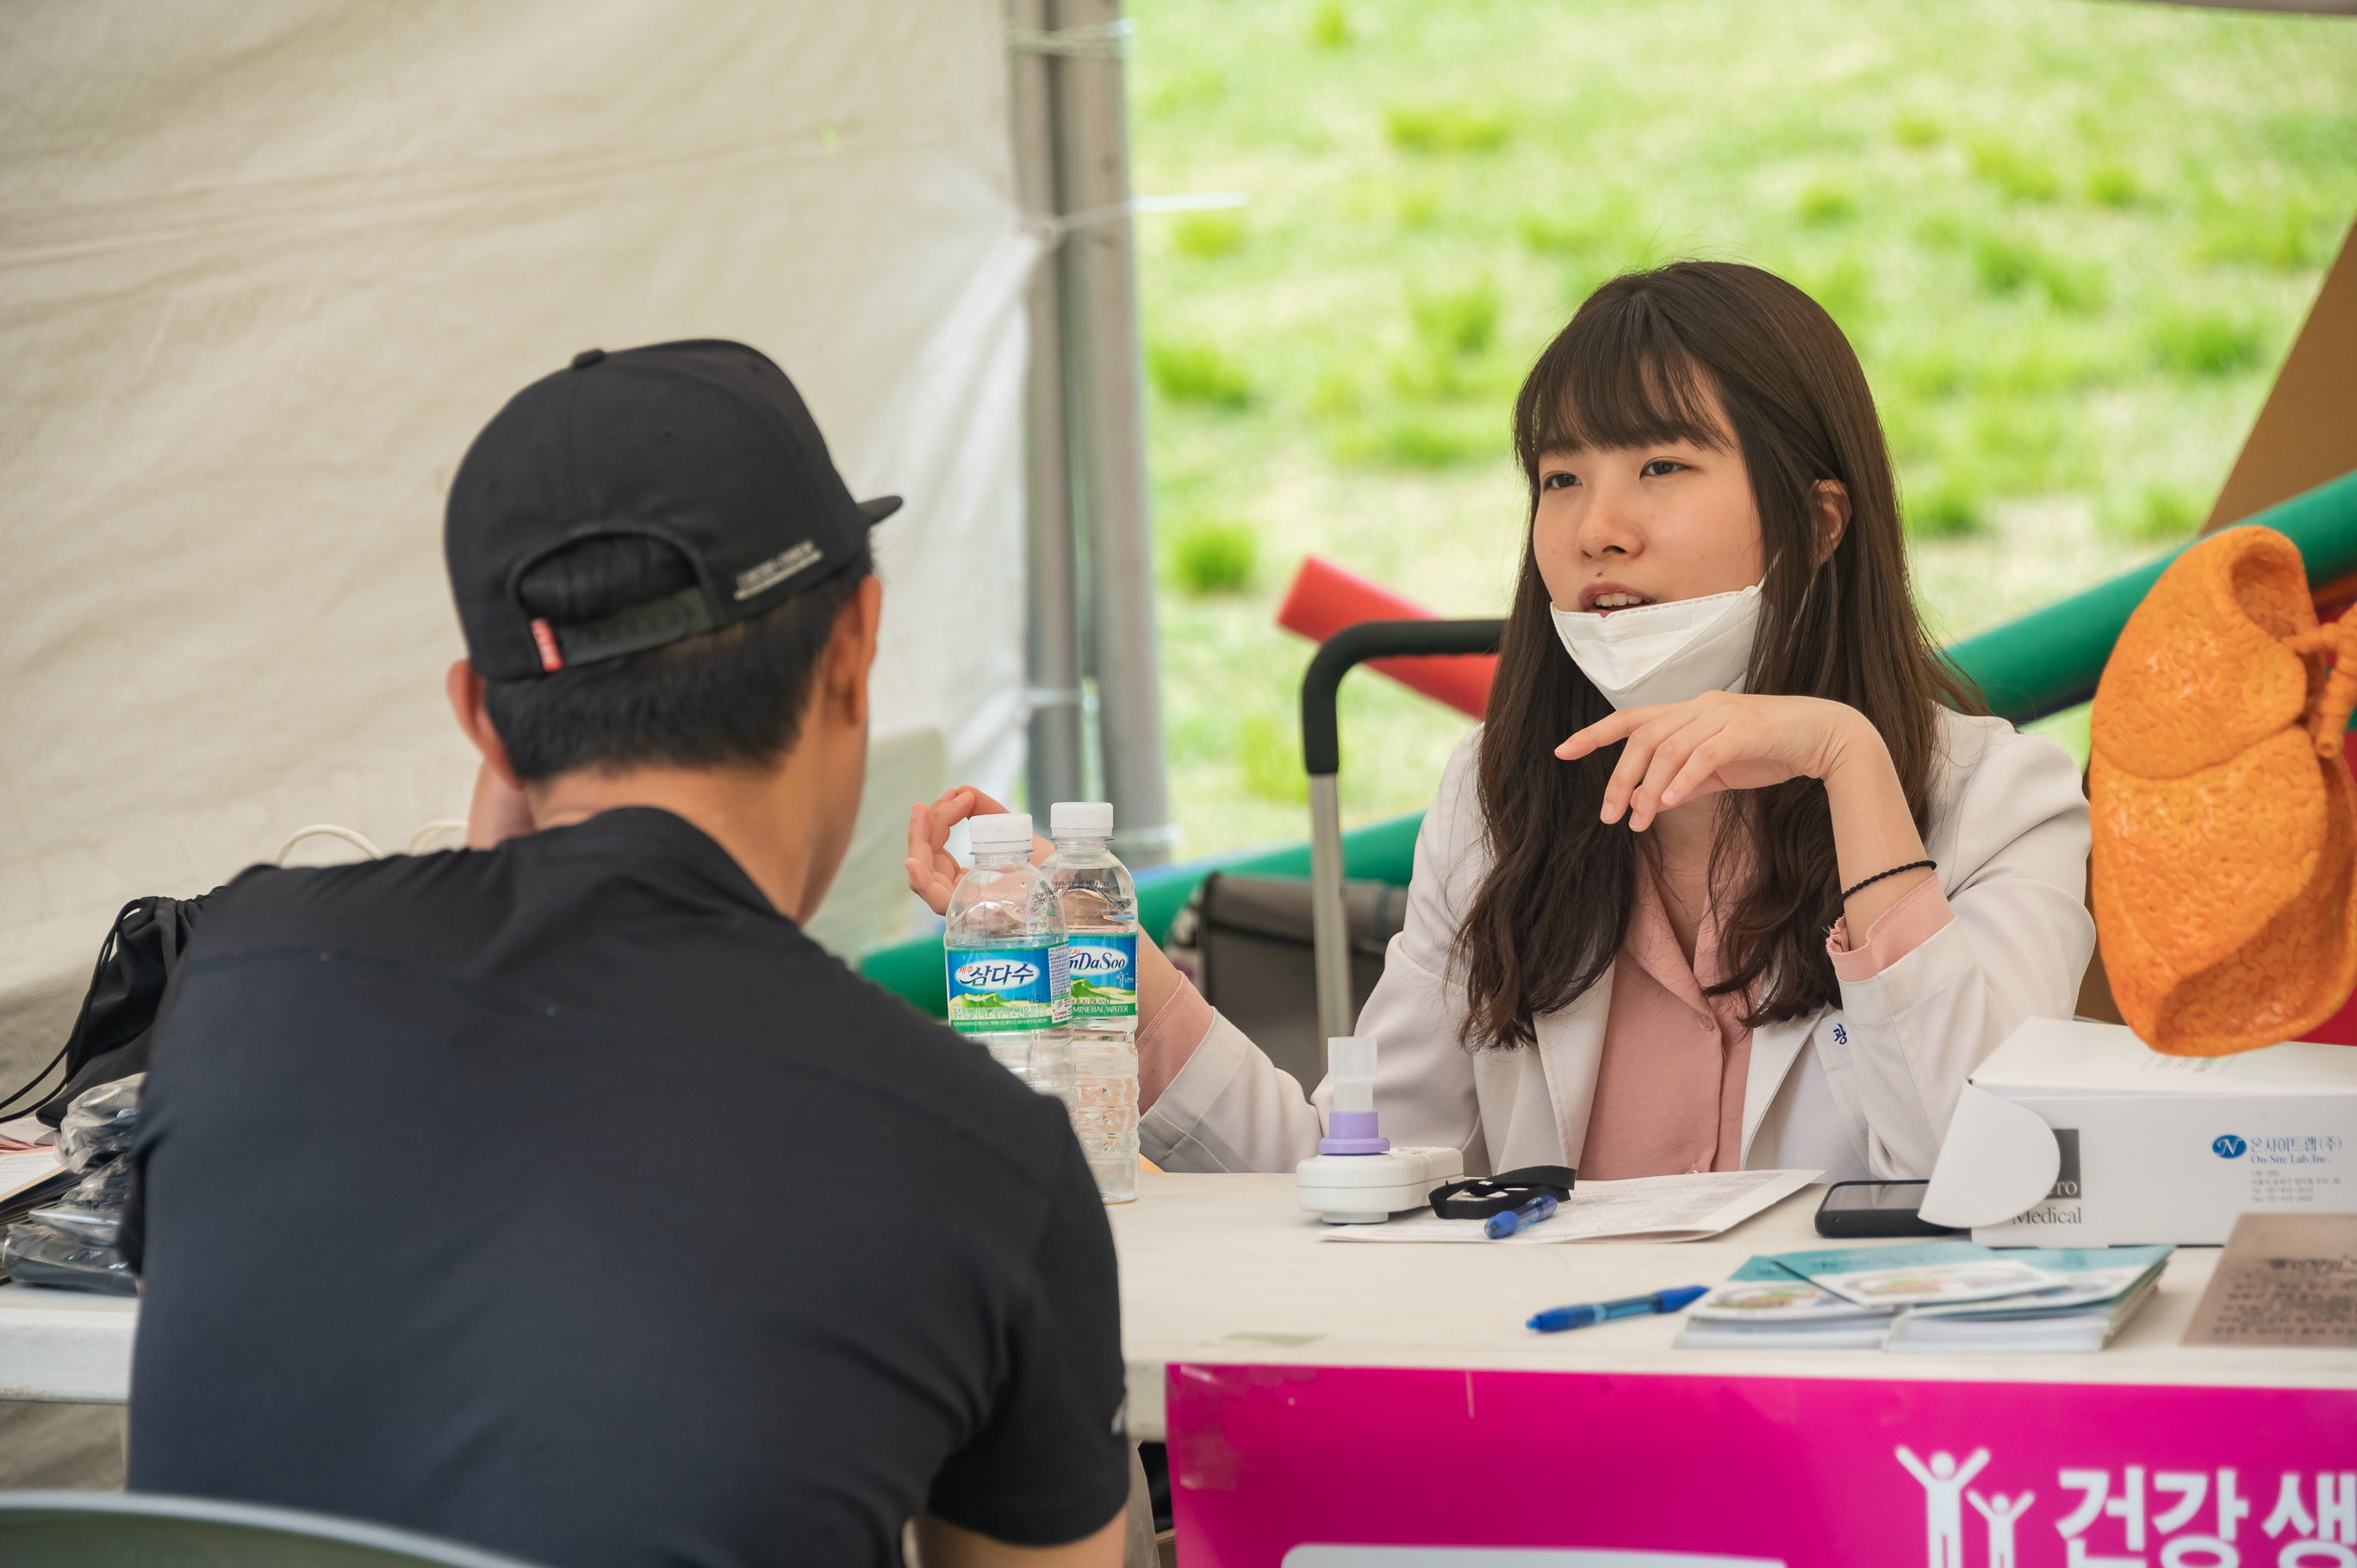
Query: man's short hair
(731,698)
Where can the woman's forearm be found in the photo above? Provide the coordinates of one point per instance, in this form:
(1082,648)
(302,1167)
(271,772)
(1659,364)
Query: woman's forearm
(1161,1052)
(1158,979)
(1873,829)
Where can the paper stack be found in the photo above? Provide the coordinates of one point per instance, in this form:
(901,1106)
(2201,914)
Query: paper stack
(2104,1286)
(29,1178)
(1937,1295)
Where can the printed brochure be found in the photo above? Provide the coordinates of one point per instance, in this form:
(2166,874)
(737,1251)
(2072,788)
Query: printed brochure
(1929,1273)
(2060,1299)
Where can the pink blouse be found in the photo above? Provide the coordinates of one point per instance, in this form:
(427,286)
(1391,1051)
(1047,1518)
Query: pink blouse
(1669,1090)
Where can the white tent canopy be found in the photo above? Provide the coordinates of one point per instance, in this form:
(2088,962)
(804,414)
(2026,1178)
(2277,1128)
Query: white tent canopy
(264,269)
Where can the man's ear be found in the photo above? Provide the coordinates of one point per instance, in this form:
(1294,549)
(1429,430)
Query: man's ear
(466,690)
(1830,501)
(851,652)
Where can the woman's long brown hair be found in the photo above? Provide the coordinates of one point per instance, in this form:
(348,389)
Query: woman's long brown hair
(1637,366)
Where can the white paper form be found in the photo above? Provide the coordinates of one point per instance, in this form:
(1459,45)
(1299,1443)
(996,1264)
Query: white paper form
(1652,1209)
(30,1168)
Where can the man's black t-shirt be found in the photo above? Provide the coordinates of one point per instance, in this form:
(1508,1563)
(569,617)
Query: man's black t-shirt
(567,1200)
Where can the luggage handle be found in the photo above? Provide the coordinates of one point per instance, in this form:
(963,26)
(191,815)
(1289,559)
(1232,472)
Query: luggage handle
(1322,753)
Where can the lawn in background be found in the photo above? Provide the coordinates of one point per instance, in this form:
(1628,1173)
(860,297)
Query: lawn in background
(2070,239)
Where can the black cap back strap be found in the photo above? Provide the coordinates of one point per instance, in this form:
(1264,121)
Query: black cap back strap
(656,624)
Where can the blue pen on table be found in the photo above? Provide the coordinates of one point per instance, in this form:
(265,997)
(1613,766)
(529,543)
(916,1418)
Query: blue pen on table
(1498,1226)
(1555,1319)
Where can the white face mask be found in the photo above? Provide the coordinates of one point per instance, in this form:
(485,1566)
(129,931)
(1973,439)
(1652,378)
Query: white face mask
(1664,653)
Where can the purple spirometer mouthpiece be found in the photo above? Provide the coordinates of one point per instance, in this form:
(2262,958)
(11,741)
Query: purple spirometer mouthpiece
(1351,1126)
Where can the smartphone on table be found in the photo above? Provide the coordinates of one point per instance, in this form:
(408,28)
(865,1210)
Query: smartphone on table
(1876,1208)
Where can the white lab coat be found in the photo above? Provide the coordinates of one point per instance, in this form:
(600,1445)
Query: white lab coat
(1864,1090)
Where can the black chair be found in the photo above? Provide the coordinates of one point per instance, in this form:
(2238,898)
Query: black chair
(135,1529)
(1321,754)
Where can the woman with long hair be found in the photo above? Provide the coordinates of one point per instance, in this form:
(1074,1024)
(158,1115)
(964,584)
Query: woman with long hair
(1734,875)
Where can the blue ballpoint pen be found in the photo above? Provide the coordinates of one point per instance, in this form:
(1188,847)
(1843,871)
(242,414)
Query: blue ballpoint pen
(1498,1226)
(1555,1319)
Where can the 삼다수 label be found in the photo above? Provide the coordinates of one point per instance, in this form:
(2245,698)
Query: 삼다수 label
(1104,977)
(1006,989)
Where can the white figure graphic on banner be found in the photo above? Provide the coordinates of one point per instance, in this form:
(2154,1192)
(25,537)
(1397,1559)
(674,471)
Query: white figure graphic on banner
(1943,1487)
(2000,1511)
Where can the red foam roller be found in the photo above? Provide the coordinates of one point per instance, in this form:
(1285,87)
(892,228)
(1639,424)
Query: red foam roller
(1324,598)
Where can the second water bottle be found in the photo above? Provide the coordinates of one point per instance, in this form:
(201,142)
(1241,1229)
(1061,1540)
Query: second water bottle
(1100,909)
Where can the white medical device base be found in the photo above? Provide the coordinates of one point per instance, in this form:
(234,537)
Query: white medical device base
(1367,1189)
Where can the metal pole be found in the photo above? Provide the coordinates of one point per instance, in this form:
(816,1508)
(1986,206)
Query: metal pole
(1329,923)
(1107,420)
(1053,768)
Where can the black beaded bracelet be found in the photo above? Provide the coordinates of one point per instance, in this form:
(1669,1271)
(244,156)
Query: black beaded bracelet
(1849,893)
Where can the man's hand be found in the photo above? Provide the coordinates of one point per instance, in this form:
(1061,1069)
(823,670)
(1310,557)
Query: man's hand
(933,871)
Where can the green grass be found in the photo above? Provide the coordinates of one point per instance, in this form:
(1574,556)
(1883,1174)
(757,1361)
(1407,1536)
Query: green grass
(1448,128)
(1915,129)
(1211,556)
(1455,323)
(2018,175)
(2114,185)
(1205,235)
(1825,204)
(1196,372)
(2070,240)
(2206,343)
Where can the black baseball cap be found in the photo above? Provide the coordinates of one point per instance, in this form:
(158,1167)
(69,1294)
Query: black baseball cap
(703,445)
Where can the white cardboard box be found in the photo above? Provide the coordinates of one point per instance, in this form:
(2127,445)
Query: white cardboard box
(2078,1135)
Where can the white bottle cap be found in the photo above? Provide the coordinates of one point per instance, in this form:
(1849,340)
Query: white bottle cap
(1001,834)
(1080,819)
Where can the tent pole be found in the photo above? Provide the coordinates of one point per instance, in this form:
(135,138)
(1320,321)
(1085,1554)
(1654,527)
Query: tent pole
(1107,419)
(1053,766)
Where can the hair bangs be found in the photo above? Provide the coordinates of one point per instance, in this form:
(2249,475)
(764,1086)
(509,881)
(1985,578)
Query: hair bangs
(1618,377)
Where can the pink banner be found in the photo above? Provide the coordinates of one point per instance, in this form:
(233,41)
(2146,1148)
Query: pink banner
(1367,1468)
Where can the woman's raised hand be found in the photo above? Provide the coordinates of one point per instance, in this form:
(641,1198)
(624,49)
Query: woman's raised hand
(933,871)
(1720,740)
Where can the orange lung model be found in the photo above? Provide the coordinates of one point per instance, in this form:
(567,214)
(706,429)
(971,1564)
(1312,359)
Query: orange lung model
(2225,824)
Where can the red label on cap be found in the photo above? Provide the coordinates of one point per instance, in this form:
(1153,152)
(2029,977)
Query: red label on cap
(551,657)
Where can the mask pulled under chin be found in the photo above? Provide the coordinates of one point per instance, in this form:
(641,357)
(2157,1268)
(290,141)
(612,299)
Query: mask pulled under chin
(1664,653)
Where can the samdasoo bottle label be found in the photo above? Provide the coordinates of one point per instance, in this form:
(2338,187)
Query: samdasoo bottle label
(1001,990)
(1104,977)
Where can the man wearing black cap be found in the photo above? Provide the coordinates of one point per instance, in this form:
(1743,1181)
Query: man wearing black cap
(564,1198)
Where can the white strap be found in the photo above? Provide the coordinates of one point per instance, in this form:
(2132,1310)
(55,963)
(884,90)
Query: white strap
(427,832)
(328,830)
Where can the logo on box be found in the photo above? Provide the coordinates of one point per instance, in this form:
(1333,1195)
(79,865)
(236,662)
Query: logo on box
(2227,1146)
(2066,1178)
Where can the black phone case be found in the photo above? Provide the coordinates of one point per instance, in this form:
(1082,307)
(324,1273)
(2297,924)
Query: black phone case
(1847,1224)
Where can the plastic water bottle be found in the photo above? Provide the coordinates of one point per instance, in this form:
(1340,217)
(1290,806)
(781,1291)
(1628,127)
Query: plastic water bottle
(1005,953)
(1100,907)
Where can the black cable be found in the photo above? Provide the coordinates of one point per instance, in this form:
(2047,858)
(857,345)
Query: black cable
(38,1075)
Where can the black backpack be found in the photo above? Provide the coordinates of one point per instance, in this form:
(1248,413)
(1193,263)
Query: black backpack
(115,1032)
